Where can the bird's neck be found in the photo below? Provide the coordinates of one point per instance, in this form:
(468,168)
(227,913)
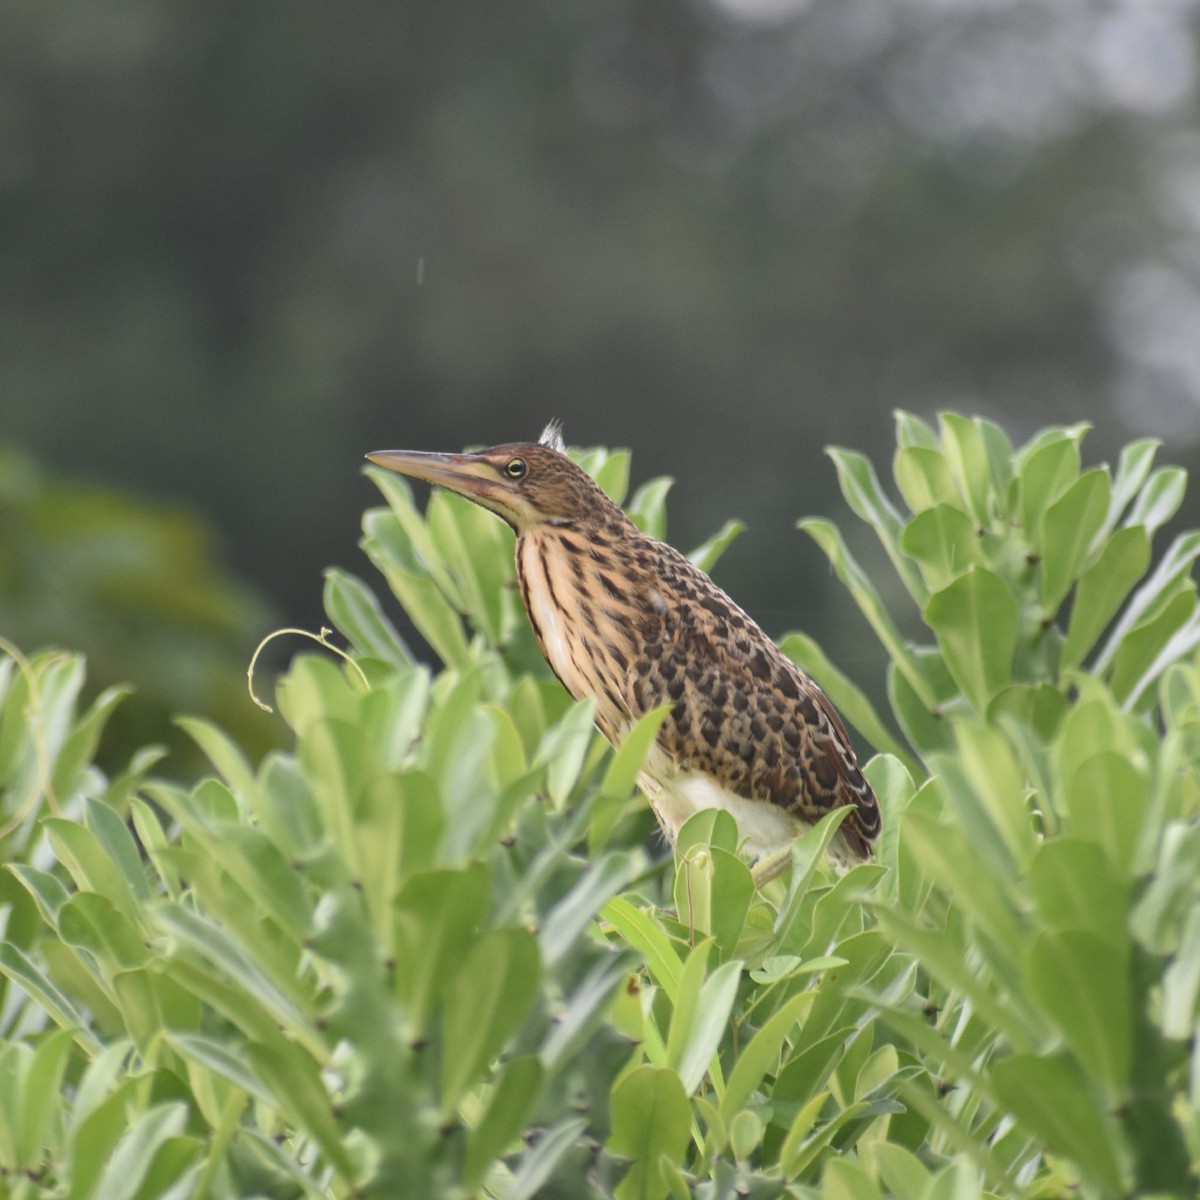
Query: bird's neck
(579,587)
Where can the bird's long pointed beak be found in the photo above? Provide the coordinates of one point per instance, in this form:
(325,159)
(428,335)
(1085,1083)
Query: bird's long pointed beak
(467,474)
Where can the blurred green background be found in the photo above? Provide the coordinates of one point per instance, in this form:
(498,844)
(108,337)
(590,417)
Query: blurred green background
(243,244)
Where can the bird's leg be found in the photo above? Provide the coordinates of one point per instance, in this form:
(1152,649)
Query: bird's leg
(771,866)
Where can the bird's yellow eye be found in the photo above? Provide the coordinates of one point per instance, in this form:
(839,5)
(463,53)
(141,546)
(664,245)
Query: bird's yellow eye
(515,468)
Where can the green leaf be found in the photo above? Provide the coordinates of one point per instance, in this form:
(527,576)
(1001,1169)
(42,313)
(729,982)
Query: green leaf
(708,553)
(1052,1100)
(791,1150)
(642,933)
(701,1016)
(1043,476)
(294,1080)
(1092,725)
(975,621)
(1000,462)
(867,499)
(567,920)
(947,856)
(651,1117)
(224,754)
(967,457)
(48,893)
(808,853)
(1082,982)
(584,1010)
(827,536)
(1040,707)
(613,475)
(356,613)
(437,916)
(435,617)
(224,1060)
(745,1134)
(1159,500)
(1169,896)
(315,690)
(488,999)
(81,852)
(218,947)
(1174,568)
(94,1134)
(509,1108)
(404,534)
(1132,468)
(843,1180)
(16,1060)
(176,1169)
(564,748)
(1102,590)
(944,960)
(648,508)
(911,430)
(707,828)
(626,763)
(134,1153)
(944,541)
(114,837)
(1149,648)
(713,890)
(539,1161)
(469,541)
(921,723)
(91,921)
(1075,888)
(40,1100)
(987,760)
(1107,800)
(760,1057)
(49,997)
(924,478)
(79,747)
(801,1157)
(258,866)
(1181,982)
(1180,644)
(1069,527)
(790,966)
(713,886)
(902,1172)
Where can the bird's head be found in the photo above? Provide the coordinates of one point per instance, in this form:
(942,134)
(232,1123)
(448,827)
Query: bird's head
(526,483)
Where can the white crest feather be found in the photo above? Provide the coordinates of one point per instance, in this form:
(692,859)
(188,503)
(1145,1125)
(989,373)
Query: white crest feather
(552,436)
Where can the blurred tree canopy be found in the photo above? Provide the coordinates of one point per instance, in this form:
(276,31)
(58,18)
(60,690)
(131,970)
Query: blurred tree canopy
(138,588)
(245,244)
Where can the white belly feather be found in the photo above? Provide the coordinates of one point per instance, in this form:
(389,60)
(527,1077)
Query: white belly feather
(763,828)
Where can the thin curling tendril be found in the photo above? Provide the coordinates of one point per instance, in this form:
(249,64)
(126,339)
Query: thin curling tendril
(321,639)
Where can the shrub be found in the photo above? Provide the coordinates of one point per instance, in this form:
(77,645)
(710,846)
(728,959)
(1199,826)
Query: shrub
(433,948)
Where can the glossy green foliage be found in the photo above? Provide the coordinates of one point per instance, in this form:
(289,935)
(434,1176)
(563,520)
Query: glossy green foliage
(365,964)
(1053,715)
(1017,561)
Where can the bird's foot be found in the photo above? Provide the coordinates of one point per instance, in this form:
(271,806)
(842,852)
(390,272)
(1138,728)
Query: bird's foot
(771,866)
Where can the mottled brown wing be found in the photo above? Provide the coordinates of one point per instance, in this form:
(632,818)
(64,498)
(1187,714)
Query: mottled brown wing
(747,715)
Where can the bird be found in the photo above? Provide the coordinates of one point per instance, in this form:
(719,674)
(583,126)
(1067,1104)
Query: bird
(629,622)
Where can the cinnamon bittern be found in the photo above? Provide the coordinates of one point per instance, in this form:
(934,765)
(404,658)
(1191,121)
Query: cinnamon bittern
(629,622)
